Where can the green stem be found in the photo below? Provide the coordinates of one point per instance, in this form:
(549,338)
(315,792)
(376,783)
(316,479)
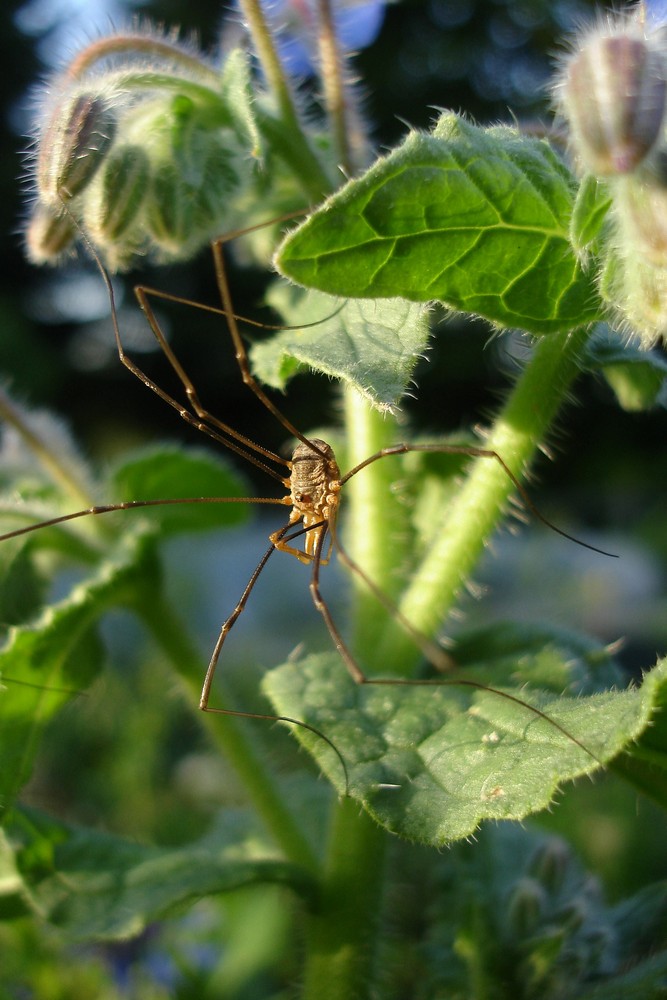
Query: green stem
(170,634)
(342,936)
(371,517)
(341,942)
(296,153)
(288,128)
(470,520)
(151,79)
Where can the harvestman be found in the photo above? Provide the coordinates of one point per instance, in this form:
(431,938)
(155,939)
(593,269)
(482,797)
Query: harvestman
(313,485)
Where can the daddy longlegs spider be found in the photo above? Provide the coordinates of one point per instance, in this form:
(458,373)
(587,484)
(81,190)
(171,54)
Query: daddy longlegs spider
(312,484)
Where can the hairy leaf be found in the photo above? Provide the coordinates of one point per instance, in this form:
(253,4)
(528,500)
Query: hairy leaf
(636,376)
(372,346)
(45,664)
(431,762)
(98,885)
(475,218)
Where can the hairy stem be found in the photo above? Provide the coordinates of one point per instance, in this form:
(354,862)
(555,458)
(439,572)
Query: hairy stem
(145,45)
(341,938)
(333,84)
(471,519)
(310,172)
(372,519)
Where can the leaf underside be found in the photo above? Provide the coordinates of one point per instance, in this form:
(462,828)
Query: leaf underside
(372,346)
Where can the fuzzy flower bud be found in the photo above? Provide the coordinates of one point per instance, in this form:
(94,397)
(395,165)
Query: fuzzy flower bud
(147,146)
(49,235)
(118,194)
(613,94)
(526,906)
(73,147)
(549,864)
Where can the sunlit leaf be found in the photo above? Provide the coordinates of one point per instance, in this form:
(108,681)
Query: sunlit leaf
(431,763)
(475,218)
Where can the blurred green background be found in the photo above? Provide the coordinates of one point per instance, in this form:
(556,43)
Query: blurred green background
(56,351)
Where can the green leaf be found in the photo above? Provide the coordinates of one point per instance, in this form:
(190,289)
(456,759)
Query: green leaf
(21,589)
(560,660)
(476,218)
(590,211)
(430,763)
(636,376)
(97,885)
(42,666)
(372,346)
(170,472)
(645,762)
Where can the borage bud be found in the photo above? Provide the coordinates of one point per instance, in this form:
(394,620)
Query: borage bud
(114,201)
(49,234)
(191,195)
(637,290)
(549,864)
(73,147)
(613,94)
(526,907)
(634,275)
(167,216)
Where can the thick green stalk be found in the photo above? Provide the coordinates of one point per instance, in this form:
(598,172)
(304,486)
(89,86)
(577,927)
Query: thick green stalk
(341,938)
(470,520)
(287,131)
(295,152)
(341,942)
(341,948)
(372,529)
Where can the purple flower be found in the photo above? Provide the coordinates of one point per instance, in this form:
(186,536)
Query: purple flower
(295,24)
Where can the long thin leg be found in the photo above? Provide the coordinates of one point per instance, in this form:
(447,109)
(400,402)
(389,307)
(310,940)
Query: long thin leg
(142,293)
(360,678)
(434,653)
(239,347)
(231,621)
(134,505)
(224,632)
(230,438)
(282,535)
(472,452)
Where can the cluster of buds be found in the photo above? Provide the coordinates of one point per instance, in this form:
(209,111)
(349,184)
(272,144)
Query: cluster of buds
(144,147)
(557,922)
(612,93)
